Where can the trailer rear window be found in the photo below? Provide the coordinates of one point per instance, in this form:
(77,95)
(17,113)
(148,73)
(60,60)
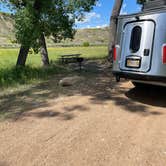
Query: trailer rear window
(135,40)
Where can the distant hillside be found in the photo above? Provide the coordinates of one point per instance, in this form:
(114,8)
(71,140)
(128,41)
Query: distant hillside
(6,29)
(92,36)
(95,36)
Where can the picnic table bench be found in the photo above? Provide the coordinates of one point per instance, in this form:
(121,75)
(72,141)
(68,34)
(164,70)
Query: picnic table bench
(72,58)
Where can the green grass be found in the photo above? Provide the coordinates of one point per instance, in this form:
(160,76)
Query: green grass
(34,72)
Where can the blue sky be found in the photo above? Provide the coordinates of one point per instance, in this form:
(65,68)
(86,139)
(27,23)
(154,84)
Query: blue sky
(100,15)
(3,8)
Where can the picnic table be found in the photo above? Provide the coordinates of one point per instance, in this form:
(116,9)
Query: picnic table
(72,58)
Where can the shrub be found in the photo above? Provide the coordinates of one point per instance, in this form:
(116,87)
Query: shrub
(86,44)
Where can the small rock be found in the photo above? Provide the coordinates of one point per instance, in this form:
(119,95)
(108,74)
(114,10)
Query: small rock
(52,113)
(69,81)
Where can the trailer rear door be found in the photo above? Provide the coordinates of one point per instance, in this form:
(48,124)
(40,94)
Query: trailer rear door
(137,46)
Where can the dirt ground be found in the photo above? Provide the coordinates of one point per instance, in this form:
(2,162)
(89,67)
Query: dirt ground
(96,122)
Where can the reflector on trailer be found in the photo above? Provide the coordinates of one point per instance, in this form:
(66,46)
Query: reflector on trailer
(164,54)
(114,53)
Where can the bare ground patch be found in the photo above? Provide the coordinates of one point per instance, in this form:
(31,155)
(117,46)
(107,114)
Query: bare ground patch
(94,122)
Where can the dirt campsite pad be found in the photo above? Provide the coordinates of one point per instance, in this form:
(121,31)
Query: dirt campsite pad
(96,122)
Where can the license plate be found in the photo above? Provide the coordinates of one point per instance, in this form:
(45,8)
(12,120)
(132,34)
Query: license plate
(134,63)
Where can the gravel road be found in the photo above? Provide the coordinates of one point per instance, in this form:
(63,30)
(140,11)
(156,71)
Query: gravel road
(100,123)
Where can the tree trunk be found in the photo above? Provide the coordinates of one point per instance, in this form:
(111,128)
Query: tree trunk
(43,51)
(113,27)
(22,56)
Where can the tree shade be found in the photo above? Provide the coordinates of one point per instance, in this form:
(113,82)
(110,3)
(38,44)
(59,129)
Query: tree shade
(37,19)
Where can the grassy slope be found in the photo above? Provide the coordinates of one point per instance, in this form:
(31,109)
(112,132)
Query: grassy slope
(8,57)
(96,36)
(34,72)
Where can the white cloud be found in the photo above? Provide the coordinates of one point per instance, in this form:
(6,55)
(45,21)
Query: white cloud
(88,26)
(102,26)
(88,17)
(139,8)
(123,10)
(124,6)
(98,4)
(94,27)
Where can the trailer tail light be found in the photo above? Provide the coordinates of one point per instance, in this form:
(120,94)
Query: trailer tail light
(114,54)
(164,54)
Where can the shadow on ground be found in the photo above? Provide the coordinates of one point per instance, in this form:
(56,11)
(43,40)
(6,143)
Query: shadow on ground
(151,95)
(98,83)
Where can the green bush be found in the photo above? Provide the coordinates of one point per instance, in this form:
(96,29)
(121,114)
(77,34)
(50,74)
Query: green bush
(86,44)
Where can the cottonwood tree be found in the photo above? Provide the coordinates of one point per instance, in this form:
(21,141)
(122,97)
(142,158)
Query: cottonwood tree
(37,19)
(113,26)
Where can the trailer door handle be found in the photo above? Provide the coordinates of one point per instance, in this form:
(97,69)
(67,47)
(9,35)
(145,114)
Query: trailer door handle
(146,52)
